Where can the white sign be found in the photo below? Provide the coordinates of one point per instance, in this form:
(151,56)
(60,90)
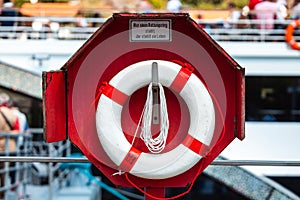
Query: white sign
(150,31)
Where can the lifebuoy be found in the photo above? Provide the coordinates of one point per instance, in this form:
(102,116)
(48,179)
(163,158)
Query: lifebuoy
(289,34)
(148,165)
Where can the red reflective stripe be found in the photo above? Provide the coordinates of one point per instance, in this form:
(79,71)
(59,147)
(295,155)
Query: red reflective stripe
(114,94)
(130,159)
(195,145)
(181,79)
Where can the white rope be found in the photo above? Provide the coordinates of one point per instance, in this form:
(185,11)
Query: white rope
(157,144)
(118,173)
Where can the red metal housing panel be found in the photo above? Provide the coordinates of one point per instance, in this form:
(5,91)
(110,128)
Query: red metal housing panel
(54,106)
(240,122)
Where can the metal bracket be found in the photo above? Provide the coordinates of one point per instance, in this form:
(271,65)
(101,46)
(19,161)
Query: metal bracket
(155,89)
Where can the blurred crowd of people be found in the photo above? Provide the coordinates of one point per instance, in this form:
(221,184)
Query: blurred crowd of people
(266,11)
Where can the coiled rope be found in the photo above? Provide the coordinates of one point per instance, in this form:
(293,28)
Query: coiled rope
(157,144)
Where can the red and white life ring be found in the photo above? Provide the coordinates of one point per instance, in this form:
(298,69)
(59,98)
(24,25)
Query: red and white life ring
(289,38)
(148,165)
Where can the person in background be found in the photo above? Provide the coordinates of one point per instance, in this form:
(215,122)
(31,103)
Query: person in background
(9,123)
(144,6)
(81,21)
(96,15)
(266,11)
(282,2)
(253,3)
(295,10)
(234,16)
(174,6)
(23,122)
(282,14)
(8,10)
(250,6)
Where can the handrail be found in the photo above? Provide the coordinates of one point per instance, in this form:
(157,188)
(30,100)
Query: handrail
(275,163)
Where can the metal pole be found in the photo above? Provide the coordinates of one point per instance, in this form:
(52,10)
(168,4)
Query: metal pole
(155,88)
(216,162)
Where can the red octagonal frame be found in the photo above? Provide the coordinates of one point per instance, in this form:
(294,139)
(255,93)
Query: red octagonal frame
(70,94)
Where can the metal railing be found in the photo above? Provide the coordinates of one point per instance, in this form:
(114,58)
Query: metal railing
(65,28)
(16,174)
(38,28)
(274,163)
(53,175)
(247,30)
